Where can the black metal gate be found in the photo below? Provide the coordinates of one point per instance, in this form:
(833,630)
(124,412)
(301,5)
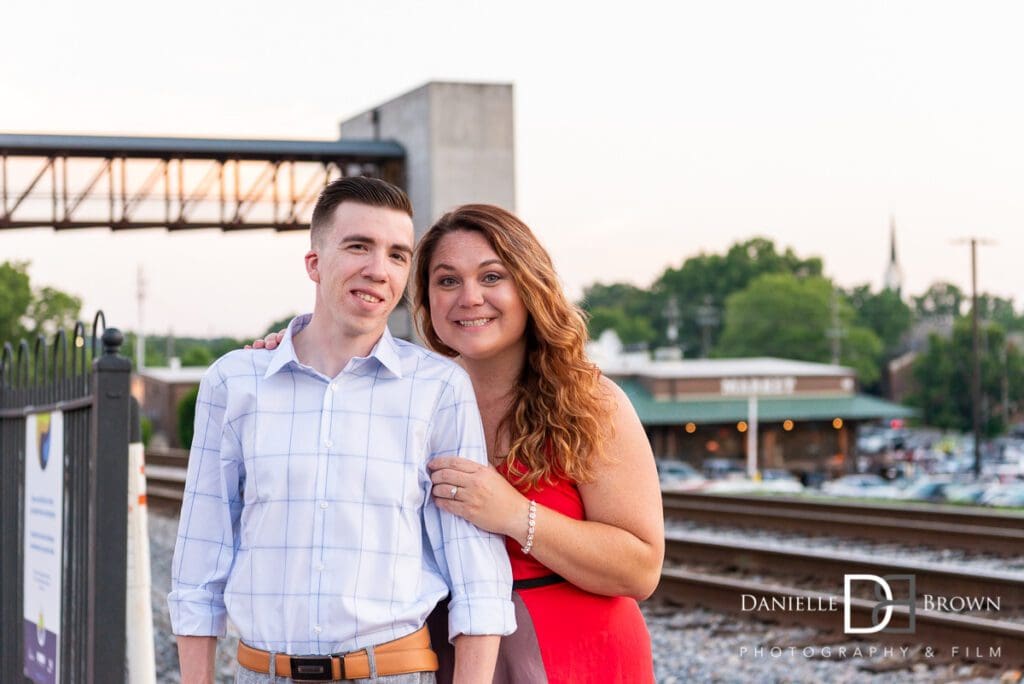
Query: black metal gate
(88,381)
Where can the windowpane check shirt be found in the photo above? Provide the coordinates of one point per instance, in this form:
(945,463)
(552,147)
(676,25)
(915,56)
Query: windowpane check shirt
(307,516)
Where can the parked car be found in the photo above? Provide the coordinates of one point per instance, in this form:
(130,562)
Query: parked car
(678,475)
(1011,494)
(722,468)
(926,489)
(772,481)
(779,480)
(868,486)
(966,493)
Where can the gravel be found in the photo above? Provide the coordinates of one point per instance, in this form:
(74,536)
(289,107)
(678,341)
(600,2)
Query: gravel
(163,528)
(690,645)
(699,646)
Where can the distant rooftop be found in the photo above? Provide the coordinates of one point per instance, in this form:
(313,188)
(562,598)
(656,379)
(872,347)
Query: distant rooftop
(718,368)
(178,375)
(610,356)
(770,409)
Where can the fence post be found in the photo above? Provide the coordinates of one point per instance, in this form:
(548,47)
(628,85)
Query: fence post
(107,534)
(12,444)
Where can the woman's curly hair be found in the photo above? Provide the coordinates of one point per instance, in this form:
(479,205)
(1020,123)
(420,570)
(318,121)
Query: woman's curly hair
(558,417)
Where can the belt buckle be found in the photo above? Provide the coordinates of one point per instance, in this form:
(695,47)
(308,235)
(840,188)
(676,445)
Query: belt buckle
(313,668)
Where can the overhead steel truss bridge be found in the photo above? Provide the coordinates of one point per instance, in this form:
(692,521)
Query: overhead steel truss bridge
(68,182)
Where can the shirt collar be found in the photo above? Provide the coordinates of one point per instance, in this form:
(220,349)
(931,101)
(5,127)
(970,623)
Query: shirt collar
(385,351)
(285,351)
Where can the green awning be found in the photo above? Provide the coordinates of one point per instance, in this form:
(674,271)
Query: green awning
(769,409)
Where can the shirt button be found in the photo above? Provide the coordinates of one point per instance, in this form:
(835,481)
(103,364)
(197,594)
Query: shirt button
(323,504)
(334,387)
(317,628)
(328,443)
(320,567)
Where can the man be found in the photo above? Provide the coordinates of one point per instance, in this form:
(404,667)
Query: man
(307,518)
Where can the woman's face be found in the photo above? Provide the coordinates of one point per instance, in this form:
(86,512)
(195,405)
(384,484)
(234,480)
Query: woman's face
(475,306)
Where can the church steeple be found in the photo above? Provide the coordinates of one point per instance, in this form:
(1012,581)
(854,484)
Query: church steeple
(893,273)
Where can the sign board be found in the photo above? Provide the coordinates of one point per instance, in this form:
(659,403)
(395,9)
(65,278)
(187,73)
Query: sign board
(44,544)
(758,386)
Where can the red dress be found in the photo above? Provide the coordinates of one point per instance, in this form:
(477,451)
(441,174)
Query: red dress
(582,637)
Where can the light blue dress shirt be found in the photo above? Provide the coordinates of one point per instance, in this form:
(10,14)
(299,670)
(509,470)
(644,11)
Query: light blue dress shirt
(307,517)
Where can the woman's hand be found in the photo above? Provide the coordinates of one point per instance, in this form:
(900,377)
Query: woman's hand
(482,496)
(269,342)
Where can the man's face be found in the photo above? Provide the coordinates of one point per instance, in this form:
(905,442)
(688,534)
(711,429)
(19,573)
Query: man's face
(361,266)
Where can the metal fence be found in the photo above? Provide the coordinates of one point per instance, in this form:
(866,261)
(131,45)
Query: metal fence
(86,380)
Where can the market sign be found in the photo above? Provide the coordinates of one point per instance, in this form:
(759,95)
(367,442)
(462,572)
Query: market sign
(749,386)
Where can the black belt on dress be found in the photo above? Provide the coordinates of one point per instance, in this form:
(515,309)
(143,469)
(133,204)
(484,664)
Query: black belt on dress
(535,582)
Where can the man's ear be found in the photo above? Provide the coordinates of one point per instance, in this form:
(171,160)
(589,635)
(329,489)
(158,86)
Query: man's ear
(313,266)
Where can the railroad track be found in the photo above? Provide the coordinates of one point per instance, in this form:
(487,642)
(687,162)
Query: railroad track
(724,584)
(905,510)
(913,524)
(950,636)
(165,476)
(826,568)
(910,523)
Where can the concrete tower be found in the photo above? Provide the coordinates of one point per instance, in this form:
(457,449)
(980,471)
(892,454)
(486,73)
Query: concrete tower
(893,272)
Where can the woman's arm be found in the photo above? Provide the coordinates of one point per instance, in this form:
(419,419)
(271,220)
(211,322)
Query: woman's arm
(617,550)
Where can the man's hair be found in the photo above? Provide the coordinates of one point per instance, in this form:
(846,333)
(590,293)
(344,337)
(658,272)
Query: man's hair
(373,192)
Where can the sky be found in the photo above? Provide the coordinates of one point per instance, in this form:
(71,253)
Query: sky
(646,132)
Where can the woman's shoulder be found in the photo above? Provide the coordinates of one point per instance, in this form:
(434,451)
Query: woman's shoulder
(616,397)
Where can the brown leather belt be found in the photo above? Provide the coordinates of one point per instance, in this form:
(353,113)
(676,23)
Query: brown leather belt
(411,653)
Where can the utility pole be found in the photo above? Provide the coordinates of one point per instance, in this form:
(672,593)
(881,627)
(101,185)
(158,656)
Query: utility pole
(140,335)
(835,331)
(671,314)
(975,352)
(1006,384)
(707,319)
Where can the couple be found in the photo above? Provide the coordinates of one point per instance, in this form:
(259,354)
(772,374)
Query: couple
(341,485)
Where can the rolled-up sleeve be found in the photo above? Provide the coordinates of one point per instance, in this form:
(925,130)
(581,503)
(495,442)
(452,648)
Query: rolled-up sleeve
(208,528)
(473,562)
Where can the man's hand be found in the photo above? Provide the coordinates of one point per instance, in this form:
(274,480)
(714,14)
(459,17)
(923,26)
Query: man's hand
(196,655)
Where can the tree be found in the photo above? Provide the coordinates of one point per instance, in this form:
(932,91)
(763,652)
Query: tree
(187,418)
(626,309)
(704,282)
(883,312)
(940,299)
(943,377)
(999,310)
(279,325)
(51,309)
(24,312)
(15,298)
(197,356)
(630,329)
(780,314)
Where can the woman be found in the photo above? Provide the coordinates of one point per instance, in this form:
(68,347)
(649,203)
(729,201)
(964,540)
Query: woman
(575,490)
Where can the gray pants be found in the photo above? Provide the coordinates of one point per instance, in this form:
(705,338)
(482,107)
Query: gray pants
(244,676)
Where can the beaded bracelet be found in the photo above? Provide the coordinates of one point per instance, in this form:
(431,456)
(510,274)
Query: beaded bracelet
(532,527)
